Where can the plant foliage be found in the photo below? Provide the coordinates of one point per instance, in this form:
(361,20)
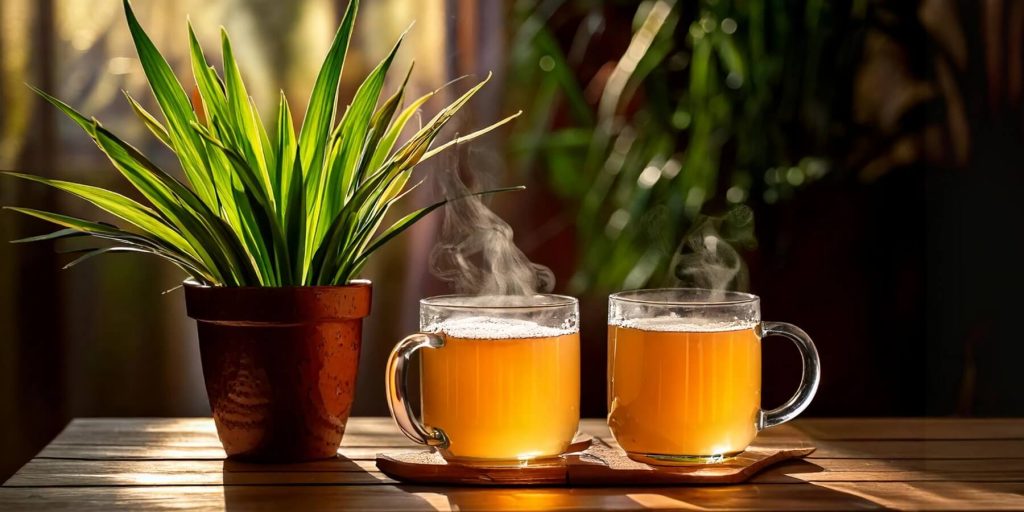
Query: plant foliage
(261,207)
(709,105)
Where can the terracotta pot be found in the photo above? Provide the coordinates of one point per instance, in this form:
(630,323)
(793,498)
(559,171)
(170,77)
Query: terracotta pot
(280,365)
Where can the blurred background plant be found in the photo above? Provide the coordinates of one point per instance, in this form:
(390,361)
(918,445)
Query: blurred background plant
(711,104)
(877,144)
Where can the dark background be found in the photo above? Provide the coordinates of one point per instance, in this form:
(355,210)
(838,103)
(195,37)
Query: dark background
(878,145)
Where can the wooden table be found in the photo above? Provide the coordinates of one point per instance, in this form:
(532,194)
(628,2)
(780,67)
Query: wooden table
(860,464)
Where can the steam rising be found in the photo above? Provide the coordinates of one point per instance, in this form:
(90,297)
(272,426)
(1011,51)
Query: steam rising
(707,256)
(475,253)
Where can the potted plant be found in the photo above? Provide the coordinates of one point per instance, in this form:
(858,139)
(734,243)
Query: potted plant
(272,227)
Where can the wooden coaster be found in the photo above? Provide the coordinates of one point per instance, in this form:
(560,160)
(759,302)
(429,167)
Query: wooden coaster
(588,463)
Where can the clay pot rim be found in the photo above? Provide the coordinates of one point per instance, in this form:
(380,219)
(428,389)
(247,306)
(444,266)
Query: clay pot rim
(355,283)
(278,305)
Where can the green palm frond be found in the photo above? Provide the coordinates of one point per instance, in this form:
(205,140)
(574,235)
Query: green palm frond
(259,207)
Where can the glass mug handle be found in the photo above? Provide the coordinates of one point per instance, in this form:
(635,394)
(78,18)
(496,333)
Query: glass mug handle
(397,390)
(808,381)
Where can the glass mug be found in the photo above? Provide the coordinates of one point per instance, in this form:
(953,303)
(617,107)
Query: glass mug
(499,379)
(684,374)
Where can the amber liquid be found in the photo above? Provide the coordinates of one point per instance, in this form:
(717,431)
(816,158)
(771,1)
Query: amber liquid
(505,397)
(680,391)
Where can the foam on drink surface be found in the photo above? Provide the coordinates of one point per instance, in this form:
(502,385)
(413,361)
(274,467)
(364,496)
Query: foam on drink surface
(678,324)
(490,328)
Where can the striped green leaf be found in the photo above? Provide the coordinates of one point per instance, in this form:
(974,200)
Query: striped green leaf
(176,108)
(316,125)
(125,208)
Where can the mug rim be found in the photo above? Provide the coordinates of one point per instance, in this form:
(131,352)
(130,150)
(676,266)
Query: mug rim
(637,297)
(454,301)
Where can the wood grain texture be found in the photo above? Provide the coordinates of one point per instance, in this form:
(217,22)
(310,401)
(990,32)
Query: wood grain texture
(861,464)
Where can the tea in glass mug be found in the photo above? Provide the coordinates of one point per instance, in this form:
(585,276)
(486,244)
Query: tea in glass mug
(684,374)
(499,377)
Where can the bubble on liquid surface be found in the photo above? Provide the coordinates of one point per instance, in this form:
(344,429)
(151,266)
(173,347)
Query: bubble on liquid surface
(491,328)
(678,324)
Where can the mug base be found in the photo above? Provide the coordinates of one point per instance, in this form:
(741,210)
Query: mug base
(503,463)
(655,459)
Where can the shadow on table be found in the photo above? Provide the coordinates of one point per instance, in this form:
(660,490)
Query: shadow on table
(333,484)
(241,472)
(780,492)
(344,484)
(913,473)
(788,472)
